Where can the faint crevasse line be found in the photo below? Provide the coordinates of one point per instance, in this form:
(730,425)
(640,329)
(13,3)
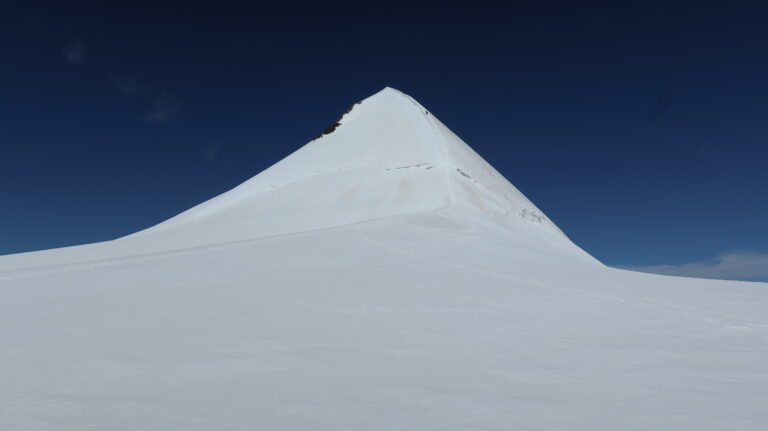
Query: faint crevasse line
(418,165)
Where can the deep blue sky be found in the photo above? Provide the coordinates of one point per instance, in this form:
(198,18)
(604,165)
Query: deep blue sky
(640,130)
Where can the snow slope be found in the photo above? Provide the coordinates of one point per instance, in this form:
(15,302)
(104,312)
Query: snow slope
(382,277)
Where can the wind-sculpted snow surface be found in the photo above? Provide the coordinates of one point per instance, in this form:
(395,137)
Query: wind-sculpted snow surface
(382,277)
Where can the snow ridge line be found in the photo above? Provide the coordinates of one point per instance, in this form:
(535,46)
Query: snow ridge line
(447,159)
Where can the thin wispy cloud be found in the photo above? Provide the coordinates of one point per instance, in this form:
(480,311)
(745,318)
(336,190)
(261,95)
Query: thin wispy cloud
(74,52)
(163,109)
(212,152)
(747,266)
(126,84)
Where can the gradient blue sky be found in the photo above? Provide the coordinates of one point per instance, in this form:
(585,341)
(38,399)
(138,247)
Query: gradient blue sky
(639,129)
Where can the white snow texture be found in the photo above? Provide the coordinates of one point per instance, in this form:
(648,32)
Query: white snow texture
(382,277)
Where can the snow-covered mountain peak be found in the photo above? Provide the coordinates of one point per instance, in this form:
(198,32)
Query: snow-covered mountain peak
(386,156)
